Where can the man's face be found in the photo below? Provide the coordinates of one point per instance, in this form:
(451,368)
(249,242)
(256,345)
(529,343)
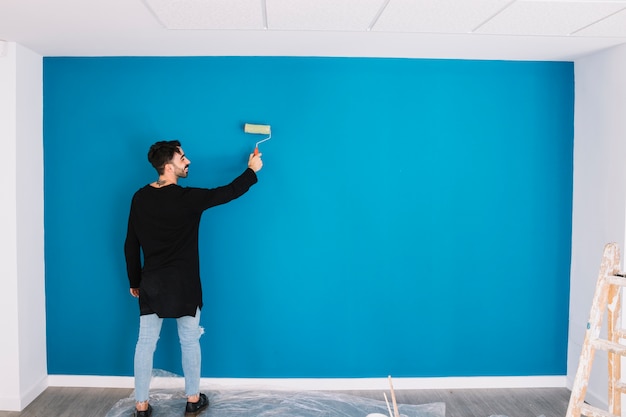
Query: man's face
(180,164)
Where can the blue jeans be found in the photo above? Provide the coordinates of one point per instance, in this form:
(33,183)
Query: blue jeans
(189,332)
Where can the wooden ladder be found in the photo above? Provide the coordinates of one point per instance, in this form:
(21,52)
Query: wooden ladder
(607,297)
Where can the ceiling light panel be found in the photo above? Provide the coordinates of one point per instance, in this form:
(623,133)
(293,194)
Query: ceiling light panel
(612,26)
(548,18)
(325,15)
(437,16)
(208,14)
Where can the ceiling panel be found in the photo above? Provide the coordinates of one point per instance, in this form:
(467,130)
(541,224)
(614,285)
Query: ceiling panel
(330,15)
(548,18)
(208,15)
(437,16)
(614,25)
(513,29)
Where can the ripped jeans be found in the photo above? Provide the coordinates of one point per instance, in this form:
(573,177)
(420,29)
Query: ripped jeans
(189,332)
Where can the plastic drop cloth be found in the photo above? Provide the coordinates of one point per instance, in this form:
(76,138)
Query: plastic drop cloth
(255,403)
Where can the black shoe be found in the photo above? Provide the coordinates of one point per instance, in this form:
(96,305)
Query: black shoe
(194,408)
(146,413)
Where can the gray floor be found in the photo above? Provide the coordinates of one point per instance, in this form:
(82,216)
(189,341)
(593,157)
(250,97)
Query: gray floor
(526,402)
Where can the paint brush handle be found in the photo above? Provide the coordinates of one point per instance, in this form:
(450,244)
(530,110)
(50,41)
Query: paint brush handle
(396,413)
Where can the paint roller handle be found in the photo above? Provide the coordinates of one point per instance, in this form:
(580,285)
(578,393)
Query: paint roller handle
(256,151)
(255,162)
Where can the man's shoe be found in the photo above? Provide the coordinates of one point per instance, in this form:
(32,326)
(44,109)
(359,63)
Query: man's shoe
(146,413)
(194,408)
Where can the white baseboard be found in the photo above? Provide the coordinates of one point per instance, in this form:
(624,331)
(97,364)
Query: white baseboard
(318,384)
(25,398)
(34,392)
(10,404)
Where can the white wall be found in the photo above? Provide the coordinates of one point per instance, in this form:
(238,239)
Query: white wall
(23,364)
(599,194)
(9,366)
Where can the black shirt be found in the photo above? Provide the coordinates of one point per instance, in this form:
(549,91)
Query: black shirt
(163,223)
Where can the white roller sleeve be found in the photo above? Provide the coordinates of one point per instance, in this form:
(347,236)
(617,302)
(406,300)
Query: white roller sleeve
(257,129)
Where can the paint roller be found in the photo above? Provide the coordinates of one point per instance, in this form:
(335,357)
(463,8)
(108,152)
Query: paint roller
(258,130)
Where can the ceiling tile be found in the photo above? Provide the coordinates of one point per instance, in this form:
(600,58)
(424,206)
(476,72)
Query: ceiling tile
(212,14)
(551,18)
(437,16)
(330,15)
(614,25)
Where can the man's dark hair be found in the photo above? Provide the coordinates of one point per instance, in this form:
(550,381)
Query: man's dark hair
(162,152)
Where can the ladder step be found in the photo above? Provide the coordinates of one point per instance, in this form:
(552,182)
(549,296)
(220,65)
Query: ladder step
(617,280)
(606,292)
(590,411)
(620,386)
(609,346)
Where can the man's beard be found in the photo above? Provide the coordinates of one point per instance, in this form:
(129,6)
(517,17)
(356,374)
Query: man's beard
(182,172)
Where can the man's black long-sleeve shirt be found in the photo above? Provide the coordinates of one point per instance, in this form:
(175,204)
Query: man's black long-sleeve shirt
(163,223)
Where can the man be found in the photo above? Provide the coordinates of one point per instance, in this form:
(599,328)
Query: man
(163,223)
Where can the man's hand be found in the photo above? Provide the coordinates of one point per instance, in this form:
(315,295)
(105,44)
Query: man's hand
(254,162)
(134,292)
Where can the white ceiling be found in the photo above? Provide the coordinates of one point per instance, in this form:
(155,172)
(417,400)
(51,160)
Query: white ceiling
(470,29)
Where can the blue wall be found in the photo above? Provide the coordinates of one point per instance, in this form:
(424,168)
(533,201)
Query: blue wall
(413,216)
